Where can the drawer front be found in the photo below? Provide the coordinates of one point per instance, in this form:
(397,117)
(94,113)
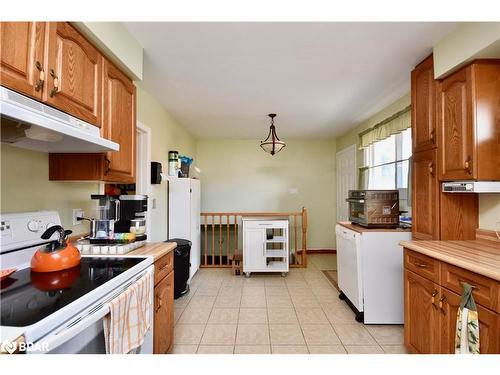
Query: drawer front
(422,265)
(486,291)
(163,266)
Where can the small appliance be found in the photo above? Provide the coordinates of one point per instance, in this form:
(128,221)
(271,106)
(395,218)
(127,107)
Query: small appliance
(102,228)
(374,208)
(133,215)
(58,254)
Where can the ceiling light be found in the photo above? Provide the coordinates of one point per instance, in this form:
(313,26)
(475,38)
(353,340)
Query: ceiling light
(272,144)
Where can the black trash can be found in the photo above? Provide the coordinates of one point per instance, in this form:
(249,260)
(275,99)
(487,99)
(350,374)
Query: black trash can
(181,266)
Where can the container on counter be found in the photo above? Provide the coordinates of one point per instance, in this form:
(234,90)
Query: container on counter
(138,226)
(173,161)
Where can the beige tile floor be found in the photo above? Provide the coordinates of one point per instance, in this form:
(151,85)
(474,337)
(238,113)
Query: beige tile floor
(264,314)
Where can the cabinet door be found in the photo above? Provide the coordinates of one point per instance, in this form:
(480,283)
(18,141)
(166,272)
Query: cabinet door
(425,199)
(423,97)
(421,328)
(164,315)
(119,124)
(488,325)
(21,57)
(456,127)
(253,250)
(74,73)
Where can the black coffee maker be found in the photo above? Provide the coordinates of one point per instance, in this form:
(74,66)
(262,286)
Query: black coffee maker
(133,210)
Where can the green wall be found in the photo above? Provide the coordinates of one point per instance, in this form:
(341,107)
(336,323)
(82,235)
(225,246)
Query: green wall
(166,135)
(25,186)
(237,175)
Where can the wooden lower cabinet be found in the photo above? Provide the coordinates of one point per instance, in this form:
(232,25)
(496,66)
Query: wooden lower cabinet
(164,315)
(488,324)
(422,333)
(430,316)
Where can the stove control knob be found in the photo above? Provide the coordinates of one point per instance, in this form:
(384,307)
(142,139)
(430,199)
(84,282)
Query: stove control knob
(33,226)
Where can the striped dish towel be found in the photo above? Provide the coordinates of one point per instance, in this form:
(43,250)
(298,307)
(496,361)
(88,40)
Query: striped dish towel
(467,331)
(129,317)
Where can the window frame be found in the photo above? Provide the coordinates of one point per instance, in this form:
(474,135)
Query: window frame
(398,145)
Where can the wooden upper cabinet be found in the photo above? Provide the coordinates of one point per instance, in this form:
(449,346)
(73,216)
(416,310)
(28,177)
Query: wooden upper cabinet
(468,116)
(489,333)
(423,96)
(425,199)
(74,71)
(119,123)
(456,126)
(22,57)
(422,324)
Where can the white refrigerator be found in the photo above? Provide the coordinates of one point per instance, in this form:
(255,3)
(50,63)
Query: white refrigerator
(184,215)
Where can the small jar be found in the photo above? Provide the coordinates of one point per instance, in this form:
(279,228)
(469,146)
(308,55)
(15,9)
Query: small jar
(138,226)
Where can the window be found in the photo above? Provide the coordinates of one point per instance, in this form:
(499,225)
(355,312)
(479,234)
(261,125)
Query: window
(387,162)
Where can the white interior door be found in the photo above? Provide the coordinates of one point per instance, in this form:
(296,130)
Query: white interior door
(346,179)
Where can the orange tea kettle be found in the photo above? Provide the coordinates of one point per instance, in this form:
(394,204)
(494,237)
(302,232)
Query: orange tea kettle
(57,255)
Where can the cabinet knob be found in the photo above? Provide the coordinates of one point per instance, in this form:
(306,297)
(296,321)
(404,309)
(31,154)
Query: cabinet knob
(432,135)
(41,77)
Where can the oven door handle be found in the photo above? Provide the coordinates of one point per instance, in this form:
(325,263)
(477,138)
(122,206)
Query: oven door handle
(53,341)
(353,200)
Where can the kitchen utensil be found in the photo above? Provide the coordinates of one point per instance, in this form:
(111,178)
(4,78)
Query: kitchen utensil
(57,255)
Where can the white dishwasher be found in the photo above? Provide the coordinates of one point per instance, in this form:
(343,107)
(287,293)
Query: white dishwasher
(370,273)
(349,265)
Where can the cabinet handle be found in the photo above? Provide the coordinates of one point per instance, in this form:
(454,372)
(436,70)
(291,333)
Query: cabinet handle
(431,168)
(468,165)
(54,89)
(441,300)
(420,265)
(163,267)
(160,303)
(108,166)
(433,136)
(41,77)
(433,301)
(472,286)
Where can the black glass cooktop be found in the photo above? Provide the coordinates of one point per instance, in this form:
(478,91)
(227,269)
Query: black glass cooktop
(27,297)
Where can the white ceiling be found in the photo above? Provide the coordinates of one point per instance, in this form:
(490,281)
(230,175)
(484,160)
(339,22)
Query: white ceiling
(220,80)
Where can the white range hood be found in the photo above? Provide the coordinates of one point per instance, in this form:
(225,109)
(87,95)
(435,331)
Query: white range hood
(29,124)
(471,187)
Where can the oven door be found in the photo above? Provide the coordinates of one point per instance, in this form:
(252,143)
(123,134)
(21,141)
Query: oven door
(357,210)
(85,333)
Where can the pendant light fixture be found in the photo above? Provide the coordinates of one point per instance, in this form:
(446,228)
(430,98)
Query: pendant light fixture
(272,143)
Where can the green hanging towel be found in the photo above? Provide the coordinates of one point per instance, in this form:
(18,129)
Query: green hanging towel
(467,333)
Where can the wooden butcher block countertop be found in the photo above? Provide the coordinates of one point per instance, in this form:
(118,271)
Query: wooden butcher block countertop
(479,256)
(361,229)
(156,249)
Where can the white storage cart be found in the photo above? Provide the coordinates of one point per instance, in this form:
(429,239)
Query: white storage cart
(265,246)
